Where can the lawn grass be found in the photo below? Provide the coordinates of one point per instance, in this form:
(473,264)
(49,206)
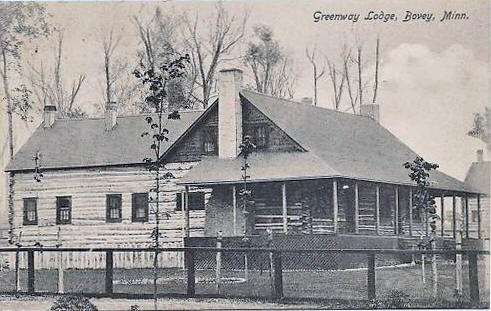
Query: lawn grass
(336,285)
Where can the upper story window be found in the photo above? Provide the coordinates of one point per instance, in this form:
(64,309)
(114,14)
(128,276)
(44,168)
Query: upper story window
(261,136)
(30,211)
(63,210)
(139,207)
(209,144)
(113,208)
(196,201)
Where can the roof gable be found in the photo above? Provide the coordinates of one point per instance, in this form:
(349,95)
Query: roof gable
(353,145)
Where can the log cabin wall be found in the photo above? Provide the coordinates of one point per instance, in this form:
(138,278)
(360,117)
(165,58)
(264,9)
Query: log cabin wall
(88,189)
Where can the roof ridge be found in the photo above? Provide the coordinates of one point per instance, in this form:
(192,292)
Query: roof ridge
(304,105)
(125,116)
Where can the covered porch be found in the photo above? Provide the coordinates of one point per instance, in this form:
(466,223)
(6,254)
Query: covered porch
(335,206)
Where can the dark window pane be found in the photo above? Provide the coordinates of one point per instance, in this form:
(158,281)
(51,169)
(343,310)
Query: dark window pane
(196,201)
(30,211)
(139,207)
(113,208)
(63,210)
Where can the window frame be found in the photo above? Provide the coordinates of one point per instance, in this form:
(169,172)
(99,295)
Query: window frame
(134,218)
(26,221)
(209,135)
(257,138)
(59,221)
(118,196)
(191,206)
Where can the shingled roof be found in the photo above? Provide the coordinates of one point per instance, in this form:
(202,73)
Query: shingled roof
(340,145)
(85,142)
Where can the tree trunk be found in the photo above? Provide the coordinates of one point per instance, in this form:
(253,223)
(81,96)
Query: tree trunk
(9,106)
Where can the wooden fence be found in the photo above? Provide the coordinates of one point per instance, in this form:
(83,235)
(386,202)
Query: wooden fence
(109,257)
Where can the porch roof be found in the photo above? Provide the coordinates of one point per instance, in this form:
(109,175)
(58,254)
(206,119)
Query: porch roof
(264,166)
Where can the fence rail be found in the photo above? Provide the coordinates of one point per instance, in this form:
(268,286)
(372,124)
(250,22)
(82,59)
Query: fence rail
(198,259)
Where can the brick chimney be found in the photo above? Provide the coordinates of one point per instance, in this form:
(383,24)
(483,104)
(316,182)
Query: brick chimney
(110,115)
(480,157)
(371,111)
(49,116)
(229,113)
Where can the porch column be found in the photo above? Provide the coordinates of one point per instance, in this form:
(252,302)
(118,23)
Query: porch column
(284,208)
(335,204)
(186,201)
(466,201)
(454,217)
(479,216)
(442,213)
(357,209)
(234,209)
(183,211)
(377,209)
(410,211)
(396,214)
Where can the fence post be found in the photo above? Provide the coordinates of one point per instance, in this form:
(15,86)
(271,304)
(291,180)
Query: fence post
(371,276)
(30,272)
(277,276)
(189,259)
(473,277)
(17,275)
(218,267)
(109,272)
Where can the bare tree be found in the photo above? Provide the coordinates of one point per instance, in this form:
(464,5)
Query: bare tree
(272,69)
(375,84)
(338,77)
(50,88)
(18,21)
(209,41)
(311,56)
(160,40)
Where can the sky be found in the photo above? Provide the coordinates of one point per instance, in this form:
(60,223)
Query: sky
(433,75)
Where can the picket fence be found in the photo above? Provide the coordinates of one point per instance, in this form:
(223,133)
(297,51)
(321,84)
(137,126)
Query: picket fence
(97,260)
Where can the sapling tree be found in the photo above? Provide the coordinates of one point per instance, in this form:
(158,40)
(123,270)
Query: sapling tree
(246,148)
(423,201)
(156,80)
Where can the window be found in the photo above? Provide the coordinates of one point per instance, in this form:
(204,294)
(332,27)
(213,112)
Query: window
(261,136)
(139,207)
(113,208)
(209,140)
(196,201)
(63,210)
(30,211)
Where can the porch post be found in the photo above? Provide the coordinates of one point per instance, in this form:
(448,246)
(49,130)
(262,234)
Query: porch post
(377,209)
(396,223)
(410,211)
(357,209)
(454,218)
(284,208)
(442,213)
(466,201)
(479,216)
(234,209)
(183,211)
(186,202)
(335,204)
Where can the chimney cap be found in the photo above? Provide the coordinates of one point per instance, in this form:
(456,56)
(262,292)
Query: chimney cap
(231,69)
(50,108)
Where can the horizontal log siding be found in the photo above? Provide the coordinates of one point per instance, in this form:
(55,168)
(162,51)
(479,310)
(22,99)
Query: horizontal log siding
(88,189)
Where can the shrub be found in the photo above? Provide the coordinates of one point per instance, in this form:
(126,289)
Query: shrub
(73,303)
(135,308)
(394,299)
